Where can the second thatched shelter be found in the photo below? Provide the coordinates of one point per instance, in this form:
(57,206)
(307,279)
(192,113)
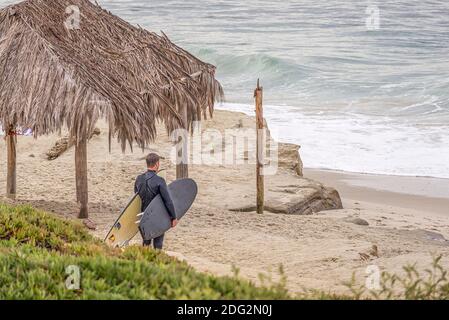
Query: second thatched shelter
(68,63)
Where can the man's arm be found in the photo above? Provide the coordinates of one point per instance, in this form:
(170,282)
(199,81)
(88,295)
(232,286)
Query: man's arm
(163,190)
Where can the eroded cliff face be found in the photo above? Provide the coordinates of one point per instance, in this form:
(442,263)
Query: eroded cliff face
(289,158)
(286,190)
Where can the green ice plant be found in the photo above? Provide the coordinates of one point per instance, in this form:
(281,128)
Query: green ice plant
(36,247)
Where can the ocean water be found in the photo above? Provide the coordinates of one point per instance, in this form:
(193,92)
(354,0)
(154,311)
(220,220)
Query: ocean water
(357,93)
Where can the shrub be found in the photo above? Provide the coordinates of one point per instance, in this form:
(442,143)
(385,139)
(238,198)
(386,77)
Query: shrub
(432,284)
(37,247)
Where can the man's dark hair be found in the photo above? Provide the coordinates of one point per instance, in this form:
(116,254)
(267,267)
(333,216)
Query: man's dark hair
(152,159)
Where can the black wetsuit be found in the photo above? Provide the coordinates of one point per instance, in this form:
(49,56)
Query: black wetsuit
(148,186)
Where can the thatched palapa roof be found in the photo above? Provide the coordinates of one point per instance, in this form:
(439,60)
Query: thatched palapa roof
(52,77)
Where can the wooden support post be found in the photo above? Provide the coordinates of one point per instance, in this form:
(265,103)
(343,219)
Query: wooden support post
(182,170)
(82,193)
(258,95)
(11,141)
(182,167)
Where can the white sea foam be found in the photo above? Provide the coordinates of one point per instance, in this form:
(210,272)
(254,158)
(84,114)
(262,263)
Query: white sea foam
(357,143)
(361,100)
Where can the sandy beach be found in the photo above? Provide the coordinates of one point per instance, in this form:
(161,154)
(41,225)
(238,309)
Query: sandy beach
(406,218)
(424,194)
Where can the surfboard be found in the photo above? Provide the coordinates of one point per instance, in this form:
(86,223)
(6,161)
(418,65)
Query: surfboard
(125,227)
(156,220)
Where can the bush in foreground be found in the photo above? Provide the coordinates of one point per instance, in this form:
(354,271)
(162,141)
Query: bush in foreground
(36,248)
(432,284)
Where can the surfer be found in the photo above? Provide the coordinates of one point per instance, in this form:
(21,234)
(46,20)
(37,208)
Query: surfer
(148,186)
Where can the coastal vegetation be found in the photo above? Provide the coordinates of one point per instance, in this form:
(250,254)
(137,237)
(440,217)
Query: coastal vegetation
(39,251)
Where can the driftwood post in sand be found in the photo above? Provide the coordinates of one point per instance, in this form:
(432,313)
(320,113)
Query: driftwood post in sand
(182,166)
(11,141)
(81,178)
(258,95)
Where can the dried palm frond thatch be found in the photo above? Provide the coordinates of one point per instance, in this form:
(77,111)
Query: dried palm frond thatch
(52,77)
(55,76)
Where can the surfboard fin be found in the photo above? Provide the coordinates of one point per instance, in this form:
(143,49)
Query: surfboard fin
(139,216)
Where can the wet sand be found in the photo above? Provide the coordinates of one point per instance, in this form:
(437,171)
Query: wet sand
(429,195)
